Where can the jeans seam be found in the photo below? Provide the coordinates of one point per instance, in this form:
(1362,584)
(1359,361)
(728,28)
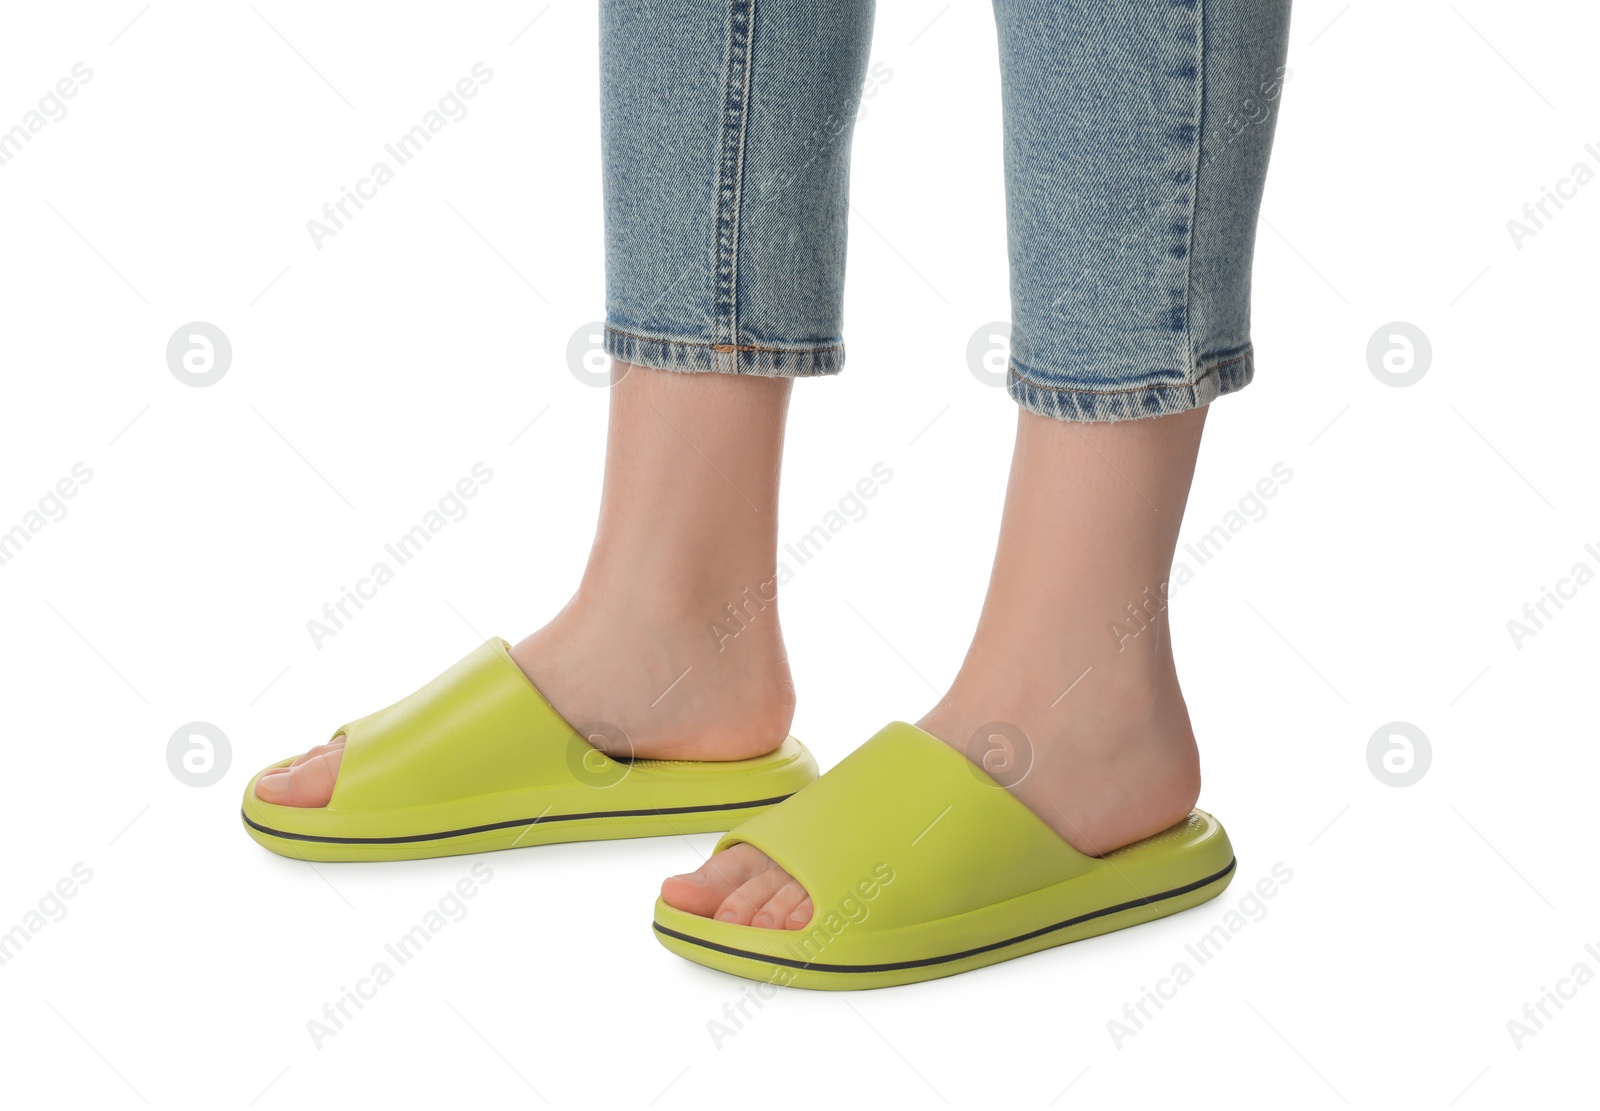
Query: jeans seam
(735,116)
(1194,191)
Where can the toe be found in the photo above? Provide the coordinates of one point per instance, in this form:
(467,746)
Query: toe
(800,916)
(775,915)
(745,903)
(705,889)
(308,784)
(335,745)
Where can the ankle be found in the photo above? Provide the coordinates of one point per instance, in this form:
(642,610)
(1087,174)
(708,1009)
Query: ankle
(1102,767)
(1099,712)
(682,681)
(689,592)
(1109,685)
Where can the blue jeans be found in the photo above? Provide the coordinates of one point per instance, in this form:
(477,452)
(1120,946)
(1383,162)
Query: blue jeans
(1137,134)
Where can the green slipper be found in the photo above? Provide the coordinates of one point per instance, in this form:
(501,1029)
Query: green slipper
(919,866)
(478,760)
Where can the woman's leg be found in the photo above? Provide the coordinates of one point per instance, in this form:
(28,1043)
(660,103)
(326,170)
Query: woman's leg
(1132,200)
(726,132)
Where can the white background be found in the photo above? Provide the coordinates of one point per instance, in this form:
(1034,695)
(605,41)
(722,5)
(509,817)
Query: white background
(369,376)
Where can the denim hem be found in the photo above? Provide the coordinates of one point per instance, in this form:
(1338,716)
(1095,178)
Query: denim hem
(662,353)
(1223,374)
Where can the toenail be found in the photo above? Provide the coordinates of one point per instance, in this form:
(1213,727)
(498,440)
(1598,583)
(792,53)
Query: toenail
(763,919)
(727,915)
(691,877)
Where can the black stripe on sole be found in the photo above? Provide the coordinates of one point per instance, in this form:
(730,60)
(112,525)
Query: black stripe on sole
(410,838)
(811,966)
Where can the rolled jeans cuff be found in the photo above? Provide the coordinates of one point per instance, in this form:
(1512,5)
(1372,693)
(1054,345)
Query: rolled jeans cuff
(698,356)
(1223,374)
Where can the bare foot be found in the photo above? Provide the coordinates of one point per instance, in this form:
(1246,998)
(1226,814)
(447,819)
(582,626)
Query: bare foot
(1110,768)
(670,691)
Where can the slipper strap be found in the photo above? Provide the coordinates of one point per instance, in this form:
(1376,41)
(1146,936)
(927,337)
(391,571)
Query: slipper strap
(478,729)
(909,830)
